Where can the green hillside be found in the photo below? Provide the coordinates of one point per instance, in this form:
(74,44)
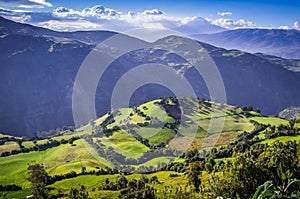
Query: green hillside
(157,137)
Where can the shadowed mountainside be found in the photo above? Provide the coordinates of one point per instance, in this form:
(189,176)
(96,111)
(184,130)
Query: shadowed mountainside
(39,66)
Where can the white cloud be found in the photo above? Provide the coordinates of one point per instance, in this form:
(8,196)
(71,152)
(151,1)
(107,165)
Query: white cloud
(41,2)
(26,3)
(66,13)
(61,10)
(111,19)
(296,25)
(283,27)
(71,25)
(153,12)
(224,14)
(232,24)
(100,17)
(100,10)
(23,18)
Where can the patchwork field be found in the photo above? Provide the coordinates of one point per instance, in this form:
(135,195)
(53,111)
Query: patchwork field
(157,126)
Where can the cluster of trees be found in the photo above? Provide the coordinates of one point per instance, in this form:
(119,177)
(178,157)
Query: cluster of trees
(81,193)
(38,147)
(10,187)
(141,113)
(141,188)
(110,119)
(262,171)
(39,178)
(101,131)
(239,177)
(282,130)
(8,139)
(73,174)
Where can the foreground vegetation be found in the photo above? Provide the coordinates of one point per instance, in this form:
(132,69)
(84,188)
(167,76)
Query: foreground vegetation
(254,156)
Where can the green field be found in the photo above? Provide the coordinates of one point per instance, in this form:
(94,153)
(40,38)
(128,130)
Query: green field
(270,120)
(91,181)
(125,144)
(9,146)
(57,160)
(157,161)
(164,135)
(281,139)
(192,134)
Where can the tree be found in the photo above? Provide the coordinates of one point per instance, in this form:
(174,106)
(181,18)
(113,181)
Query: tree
(83,170)
(138,189)
(193,175)
(154,179)
(209,165)
(292,124)
(82,193)
(38,178)
(121,182)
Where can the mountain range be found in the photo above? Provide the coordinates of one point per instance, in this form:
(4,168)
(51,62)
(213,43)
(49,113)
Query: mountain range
(39,66)
(281,43)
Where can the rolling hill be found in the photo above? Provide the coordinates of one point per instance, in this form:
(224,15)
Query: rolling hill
(124,138)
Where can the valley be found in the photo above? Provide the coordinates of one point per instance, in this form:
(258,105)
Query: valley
(139,103)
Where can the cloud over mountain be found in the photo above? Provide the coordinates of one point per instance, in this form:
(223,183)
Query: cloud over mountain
(232,24)
(296,25)
(100,17)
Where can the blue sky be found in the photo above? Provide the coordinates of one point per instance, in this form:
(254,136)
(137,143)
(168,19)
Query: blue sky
(262,13)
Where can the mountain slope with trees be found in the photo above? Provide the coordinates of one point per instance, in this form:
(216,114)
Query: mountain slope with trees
(39,67)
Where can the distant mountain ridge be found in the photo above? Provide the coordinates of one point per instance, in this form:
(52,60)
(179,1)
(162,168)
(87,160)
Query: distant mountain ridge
(282,43)
(90,37)
(38,70)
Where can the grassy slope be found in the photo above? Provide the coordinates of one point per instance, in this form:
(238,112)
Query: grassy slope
(91,182)
(199,116)
(66,158)
(164,135)
(282,139)
(274,121)
(125,144)
(14,168)
(9,146)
